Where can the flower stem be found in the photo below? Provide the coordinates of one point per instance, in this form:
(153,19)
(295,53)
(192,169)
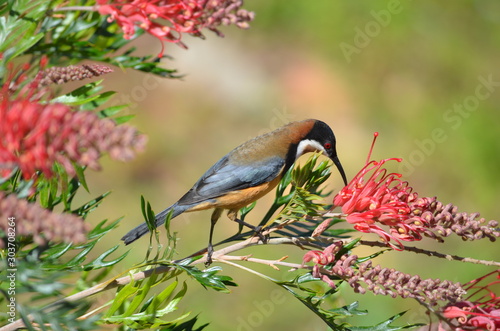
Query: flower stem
(271,263)
(434,253)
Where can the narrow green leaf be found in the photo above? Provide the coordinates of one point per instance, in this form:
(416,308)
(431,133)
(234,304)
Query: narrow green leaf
(80,174)
(97,102)
(110,111)
(140,295)
(349,310)
(209,278)
(100,263)
(101,229)
(123,119)
(122,294)
(89,206)
(23,45)
(386,325)
(158,300)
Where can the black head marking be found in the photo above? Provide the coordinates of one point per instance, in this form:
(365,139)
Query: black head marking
(323,134)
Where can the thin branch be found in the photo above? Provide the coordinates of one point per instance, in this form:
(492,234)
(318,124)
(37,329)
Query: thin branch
(248,269)
(271,263)
(448,257)
(76,8)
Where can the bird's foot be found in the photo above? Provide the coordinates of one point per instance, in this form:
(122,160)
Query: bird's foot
(210,251)
(259,232)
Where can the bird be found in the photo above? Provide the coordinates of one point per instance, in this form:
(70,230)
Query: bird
(249,172)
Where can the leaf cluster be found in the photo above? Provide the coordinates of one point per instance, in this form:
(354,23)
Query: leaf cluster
(38,28)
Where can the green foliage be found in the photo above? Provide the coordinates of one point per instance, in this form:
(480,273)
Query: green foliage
(18,25)
(386,325)
(132,308)
(335,317)
(64,316)
(45,272)
(302,199)
(137,307)
(303,206)
(207,278)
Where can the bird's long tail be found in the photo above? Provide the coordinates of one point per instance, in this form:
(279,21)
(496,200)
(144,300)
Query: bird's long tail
(142,229)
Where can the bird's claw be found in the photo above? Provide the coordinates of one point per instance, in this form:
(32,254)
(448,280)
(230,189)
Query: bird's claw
(258,231)
(210,251)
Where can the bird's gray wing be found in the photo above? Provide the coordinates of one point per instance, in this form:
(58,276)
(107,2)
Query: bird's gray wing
(224,177)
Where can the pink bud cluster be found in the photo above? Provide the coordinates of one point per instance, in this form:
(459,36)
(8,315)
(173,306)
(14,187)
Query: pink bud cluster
(362,277)
(31,220)
(61,75)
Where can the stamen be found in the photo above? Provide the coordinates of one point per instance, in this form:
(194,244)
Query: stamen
(375,135)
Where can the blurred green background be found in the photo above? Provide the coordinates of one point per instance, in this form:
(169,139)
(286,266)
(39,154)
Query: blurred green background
(424,74)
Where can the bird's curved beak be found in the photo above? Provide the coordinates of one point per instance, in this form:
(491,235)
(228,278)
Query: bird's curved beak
(336,160)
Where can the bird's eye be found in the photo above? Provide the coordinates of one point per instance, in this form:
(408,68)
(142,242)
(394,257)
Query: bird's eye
(327,145)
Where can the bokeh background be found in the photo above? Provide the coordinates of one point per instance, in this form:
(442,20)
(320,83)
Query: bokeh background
(424,74)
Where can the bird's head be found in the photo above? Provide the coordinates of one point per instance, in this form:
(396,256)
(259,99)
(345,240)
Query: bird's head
(320,138)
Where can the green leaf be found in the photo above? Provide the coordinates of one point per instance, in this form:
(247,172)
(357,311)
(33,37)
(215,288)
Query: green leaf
(100,100)
(47,191)
(80,174)
(349,310)
(89,206)
(17,29)
(245,210)
(150,314)
(100,229)
(58,251)
(208,278)
(74,100)
(82,95)
(148,214)
(122,294)
(23,190)
(23,45)
(141,294)
(187,326)
(314,304)
(80,257)
(123,119)
(158,300)
(110,111)
(386,325)
(100,263)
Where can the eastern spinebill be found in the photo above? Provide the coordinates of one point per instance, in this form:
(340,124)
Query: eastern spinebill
(249,172)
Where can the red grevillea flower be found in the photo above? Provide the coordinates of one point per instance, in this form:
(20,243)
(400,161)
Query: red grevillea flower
(374,197)
(168,19)
(322,258)
(35,134)
(481,309)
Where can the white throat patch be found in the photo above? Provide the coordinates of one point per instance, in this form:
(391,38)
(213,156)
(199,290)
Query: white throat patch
(307,145)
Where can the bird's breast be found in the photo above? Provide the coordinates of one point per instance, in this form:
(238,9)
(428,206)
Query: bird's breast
(241,198)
